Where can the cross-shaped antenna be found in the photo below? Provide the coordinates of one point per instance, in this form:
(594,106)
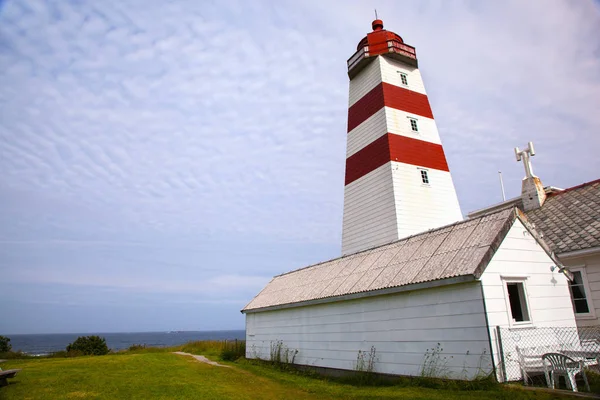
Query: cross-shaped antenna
(526,155)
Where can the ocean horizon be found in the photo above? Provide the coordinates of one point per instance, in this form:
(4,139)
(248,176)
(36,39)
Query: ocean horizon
(40,344)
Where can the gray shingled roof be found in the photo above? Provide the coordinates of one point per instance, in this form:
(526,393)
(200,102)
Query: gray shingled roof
(460,249)
(570,220)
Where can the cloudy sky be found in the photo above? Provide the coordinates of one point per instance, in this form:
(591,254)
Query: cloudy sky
(161,160)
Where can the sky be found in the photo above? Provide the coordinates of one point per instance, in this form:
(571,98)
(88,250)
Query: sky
(160,161)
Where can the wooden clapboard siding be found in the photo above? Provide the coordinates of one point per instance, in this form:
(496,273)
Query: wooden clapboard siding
(437,202)
(402,328)
(390,73)
(365,134)
(364,82)
(369,212)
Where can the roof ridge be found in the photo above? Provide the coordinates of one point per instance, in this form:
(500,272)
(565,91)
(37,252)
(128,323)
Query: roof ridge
(580,186)
(433,230)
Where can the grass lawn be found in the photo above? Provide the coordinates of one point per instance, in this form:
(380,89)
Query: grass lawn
(162,375)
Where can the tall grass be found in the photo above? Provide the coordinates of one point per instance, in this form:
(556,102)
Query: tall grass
(204,347)
(233,350)
(14,355)
(226,350)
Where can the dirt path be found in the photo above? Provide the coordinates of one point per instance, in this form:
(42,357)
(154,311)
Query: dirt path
(201,359)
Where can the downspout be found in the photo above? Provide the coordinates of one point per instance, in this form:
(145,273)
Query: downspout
(487,326)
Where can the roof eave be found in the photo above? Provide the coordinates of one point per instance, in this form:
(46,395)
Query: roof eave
(580,253)
(495,245)
(372,293)
(530,228)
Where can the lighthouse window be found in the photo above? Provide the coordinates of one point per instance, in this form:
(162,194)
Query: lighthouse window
(403,78)
(424,177)
(413,125)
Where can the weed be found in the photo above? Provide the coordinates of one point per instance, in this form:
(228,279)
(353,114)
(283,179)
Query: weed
(365,367)
(482,370)
(434,364)
(365,362)
(281,355)
(484,365)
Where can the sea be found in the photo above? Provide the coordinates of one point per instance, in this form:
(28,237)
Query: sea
(44,344)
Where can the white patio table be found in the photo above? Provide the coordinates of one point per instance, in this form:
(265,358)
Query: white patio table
(583,355)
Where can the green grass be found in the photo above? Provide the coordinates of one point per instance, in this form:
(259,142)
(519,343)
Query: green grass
(208,348)
(157,374)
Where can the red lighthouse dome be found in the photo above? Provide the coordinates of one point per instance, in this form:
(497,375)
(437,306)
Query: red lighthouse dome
(378,42)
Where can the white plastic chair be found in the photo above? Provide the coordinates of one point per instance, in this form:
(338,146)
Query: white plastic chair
(563,365)
(530,364)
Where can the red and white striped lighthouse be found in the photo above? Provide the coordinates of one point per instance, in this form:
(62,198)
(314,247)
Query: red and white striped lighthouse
(397,178)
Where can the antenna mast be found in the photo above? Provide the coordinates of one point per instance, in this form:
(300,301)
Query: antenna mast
(502,185)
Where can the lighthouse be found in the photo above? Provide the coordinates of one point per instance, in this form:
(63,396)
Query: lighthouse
(397,180)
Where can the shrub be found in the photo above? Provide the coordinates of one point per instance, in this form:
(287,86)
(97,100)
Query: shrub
(89,345)
(134,347)
(5,344)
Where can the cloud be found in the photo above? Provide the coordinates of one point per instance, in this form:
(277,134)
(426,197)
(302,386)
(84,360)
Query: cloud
(170,123)
(218,286)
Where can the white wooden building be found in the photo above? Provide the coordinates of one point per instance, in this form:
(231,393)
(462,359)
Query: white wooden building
(449,286)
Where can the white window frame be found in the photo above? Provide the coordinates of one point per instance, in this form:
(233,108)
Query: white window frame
(421,176)
(410,119)
(588,294)
(405,75)
(523,280)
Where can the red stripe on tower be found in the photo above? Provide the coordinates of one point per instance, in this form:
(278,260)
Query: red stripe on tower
(397,148)
(368,105)
(417,152)
(406,100)
(369,158)
(388,95)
